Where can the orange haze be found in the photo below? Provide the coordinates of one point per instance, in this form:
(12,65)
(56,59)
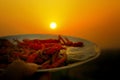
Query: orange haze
(94,20)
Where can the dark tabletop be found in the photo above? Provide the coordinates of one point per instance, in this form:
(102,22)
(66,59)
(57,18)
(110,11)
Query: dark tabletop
(105,67)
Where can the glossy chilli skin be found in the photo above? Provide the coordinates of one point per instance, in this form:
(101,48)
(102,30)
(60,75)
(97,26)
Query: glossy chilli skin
(46,53)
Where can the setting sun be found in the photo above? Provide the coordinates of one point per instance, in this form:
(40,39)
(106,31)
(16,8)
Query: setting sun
(53,25)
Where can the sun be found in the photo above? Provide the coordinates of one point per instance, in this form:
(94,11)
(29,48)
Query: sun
(53,25)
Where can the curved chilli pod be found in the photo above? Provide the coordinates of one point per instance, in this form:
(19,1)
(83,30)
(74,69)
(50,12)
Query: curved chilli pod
(59,61)
(32,57)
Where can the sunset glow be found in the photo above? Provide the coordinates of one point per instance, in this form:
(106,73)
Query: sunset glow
(95,20)
(53,25)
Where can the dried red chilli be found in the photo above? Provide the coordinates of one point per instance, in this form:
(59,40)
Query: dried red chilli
(43,52)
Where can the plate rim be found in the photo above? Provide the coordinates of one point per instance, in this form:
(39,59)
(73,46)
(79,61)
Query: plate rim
(97,50)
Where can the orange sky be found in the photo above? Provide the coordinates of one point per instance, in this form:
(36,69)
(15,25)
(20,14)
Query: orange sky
(94,20)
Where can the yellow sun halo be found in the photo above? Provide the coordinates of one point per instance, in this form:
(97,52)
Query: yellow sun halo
(53,25)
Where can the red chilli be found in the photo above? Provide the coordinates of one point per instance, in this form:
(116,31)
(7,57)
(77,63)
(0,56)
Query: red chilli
(32,57)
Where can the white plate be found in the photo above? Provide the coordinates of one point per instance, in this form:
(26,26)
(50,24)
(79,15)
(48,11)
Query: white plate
(79,55)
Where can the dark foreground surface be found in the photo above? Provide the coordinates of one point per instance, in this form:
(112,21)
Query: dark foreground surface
(105,67)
